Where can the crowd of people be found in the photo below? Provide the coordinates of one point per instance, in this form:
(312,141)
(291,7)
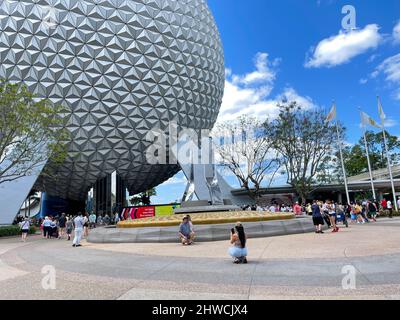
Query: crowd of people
(322,212)
(329,212)
(62,226)
(359,212)
(275,207)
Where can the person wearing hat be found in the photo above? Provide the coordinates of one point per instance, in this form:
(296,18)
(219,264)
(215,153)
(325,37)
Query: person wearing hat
(186,233)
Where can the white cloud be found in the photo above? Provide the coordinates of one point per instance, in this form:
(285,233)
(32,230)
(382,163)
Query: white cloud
(372,58)
(341,48)
(265,72)
(390,68)
(363,81)
(249,94)
(390,123)
(396,33)
(238,101)
(175,180)
(291,95)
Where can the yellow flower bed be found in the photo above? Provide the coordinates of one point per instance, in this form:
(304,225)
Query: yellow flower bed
(206,218)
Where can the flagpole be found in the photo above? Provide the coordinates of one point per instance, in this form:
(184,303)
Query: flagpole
(368,159)
(341,156)
(342,160)
(388,157)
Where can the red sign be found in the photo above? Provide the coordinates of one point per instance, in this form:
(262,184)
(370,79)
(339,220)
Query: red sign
(145,212)
(139,213)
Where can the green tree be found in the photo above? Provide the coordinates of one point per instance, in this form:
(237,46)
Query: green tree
(31,133)
(143,198)
(355,157)
(305,142)
(248,153)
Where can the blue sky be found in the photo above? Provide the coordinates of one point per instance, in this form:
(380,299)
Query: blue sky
(298,50)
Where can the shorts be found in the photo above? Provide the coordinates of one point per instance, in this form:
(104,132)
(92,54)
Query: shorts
(318,221)
(236,252)
(25,231)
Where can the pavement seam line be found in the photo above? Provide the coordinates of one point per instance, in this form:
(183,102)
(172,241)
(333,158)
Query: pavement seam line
(256,266)
(147,279)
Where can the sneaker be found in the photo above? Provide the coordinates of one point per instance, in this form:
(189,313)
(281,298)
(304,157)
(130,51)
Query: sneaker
(74,245)
(79,245)
(245,260)
(236,261)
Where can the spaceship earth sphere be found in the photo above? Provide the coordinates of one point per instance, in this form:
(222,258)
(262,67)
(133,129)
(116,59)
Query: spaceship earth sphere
(121,68)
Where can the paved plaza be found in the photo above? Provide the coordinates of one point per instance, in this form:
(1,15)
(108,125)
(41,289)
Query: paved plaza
(304,266)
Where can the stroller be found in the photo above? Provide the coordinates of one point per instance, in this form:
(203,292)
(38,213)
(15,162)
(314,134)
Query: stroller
(341,217)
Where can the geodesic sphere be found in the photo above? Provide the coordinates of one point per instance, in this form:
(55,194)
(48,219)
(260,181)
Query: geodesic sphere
(122,68)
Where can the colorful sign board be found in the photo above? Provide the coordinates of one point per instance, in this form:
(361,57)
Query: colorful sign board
(133,213)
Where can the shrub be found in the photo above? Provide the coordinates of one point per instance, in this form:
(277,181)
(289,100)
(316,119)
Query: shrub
(10,231)
(383,214)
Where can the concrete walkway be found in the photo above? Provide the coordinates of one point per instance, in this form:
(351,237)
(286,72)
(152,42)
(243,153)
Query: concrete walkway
(303,266)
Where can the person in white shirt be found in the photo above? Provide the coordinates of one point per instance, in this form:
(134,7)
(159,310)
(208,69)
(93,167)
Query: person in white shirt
(78,224)
(46,227)
(331,207)
(272,209)
(390,208)
(25,225)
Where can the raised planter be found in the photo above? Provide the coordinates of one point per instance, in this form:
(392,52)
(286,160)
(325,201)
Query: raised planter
(205,219)
(204,233)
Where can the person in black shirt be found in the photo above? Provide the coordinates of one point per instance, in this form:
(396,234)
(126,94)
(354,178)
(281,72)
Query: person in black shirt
(317,217)
(372,210)
(62,221)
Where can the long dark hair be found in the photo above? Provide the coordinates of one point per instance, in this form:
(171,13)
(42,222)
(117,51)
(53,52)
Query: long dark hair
(242,236)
